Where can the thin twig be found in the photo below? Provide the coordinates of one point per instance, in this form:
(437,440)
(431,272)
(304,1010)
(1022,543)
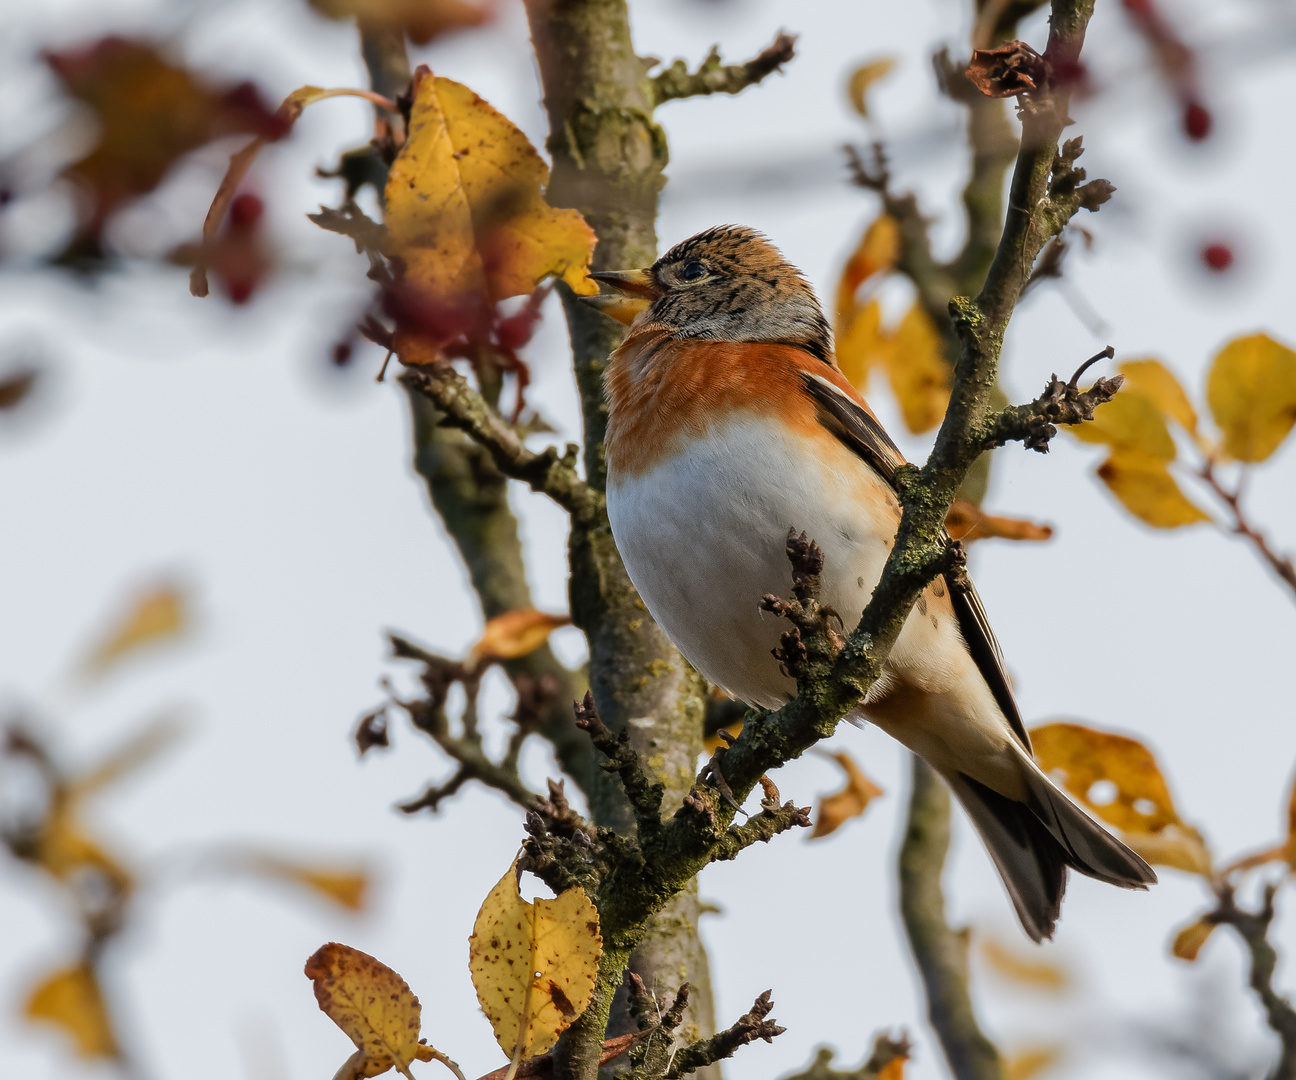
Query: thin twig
(715,77)
(1282,565)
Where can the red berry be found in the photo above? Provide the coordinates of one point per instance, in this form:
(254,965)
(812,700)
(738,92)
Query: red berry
(245,211)
(342,353)
(1217,257)
(1196,121)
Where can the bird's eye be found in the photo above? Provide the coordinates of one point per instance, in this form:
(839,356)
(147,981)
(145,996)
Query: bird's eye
(692,271)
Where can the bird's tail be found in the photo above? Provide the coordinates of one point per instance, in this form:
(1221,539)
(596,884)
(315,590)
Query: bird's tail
(1032,843)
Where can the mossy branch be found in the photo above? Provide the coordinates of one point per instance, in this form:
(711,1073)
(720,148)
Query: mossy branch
(713,76)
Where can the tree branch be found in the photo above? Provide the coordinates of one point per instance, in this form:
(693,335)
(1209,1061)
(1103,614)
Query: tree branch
(885,1051)
(1061,403)
(1280,564)
(716,77)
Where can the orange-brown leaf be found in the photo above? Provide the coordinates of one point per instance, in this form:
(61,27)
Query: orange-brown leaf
(419,20)
(72,999)
(838,808)
(1251,389)
(1021,967)
(347,886)
(515,633)
(1190,939)
(371,1003)
(967,522)
(1029,1063)
(1146,488)
(876,253)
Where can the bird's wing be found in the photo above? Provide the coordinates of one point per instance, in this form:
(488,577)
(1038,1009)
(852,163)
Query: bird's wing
(850,421)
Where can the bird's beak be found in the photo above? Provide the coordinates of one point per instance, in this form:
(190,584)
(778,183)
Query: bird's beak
(635,292)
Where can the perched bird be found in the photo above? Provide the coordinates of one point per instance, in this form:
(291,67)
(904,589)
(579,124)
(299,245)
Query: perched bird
(730,423)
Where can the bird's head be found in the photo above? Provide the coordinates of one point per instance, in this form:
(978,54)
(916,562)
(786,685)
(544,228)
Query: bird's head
(728,283)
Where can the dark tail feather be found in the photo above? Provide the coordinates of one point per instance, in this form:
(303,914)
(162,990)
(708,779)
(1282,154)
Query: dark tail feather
(1033,844)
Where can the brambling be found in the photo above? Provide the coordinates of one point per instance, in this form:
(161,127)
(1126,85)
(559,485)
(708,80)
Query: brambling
(730,423)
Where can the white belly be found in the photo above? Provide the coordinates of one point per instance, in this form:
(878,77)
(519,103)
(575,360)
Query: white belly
(703,535)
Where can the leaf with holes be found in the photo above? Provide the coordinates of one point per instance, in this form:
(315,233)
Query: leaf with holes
(371,1003)
(838,808)
(1251,390)
(1115,776)
(534,965)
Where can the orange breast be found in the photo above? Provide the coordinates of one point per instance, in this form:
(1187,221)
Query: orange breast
(664,391)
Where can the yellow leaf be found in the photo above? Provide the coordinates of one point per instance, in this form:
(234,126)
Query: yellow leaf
(64,850)
(1023,968)
(515,633)
(155,615)
(1129,422)
(1179,846)
(877,253)
(420,20)
(534,965)
(1251,390)
(920,375)
(371,1003)
(137,751)
(851,801)
(1156,382)
(1115,776)
(1147,490)
(348,887)
(1189,940)
(1026,1064)
(72,999)
(865,76)
(966,521)
(864,345)
(465,210)
(893,1069)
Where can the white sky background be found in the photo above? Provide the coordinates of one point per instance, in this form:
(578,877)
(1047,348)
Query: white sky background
(187,438)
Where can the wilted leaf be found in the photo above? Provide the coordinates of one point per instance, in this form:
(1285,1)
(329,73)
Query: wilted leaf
(239,163)
(73,1000)
(466,215)
(1029,1063)
(420,20)
(864,77)
(1252,394)
(1130,422)
(877,253)
(155,615)
(534,965)
(920,375)
(16,385)
(1022,967)
(1006,70)
(1156,382)
(1179,846)
(1137,799)
(966,521)
(371,1003)
(851,801)
(1189,941)
(149,112)
(1147,490)
(515,633)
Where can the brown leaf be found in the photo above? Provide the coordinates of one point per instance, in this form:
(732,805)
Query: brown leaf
(371,1003)
(966,521)
(1189,941)
(1146,488)
(16,385)
(72,999)
(515,633)
(851,801)
(149,112)
(864,77)
(420,20)
(1007,70)
(1251,389)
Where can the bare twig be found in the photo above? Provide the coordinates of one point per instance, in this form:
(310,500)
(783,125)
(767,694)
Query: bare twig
(1034,424)
(715,77)
(885,1051)
(645,793)
(1281,564)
